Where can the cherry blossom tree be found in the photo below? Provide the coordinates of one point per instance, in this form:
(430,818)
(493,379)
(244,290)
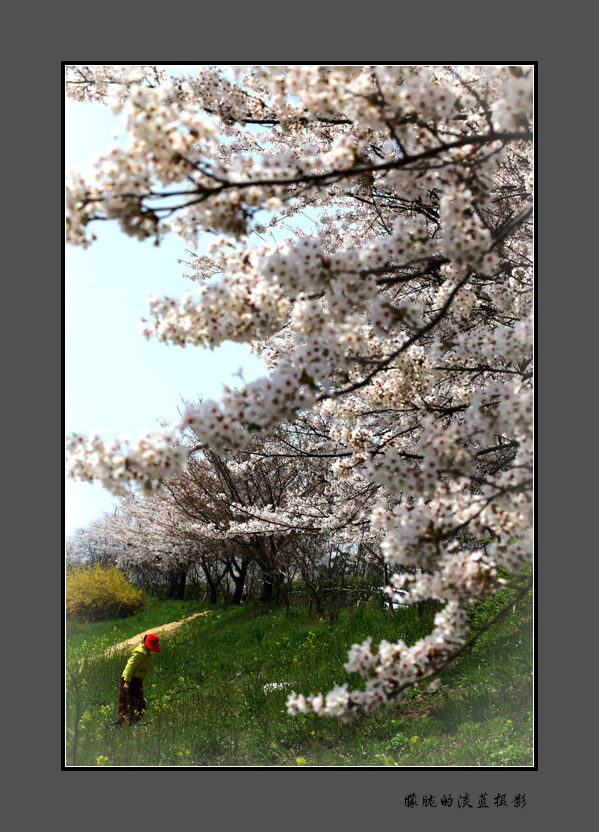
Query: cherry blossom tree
(91,545)
(403,320)
(271,504)
(153,542)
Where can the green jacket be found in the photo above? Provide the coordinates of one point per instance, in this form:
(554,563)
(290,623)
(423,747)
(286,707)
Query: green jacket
(138,663)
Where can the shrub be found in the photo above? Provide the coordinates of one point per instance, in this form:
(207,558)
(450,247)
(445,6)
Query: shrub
(96,592)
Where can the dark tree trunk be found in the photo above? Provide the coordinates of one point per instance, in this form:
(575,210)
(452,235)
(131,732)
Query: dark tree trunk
(238,575)
(277,584)
(271,574)
(267,587)
(212,586)
(177,584)
(239,582)
(213,589)
(313,597)
(182,580)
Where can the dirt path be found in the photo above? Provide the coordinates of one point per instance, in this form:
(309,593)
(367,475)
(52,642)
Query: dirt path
(165,628)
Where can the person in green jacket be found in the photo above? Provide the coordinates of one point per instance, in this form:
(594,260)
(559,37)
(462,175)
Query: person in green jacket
(131,695)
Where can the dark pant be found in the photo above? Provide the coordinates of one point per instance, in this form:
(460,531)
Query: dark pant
(131,703)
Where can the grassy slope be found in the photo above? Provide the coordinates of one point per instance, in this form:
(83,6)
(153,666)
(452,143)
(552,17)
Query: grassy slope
(207,704)
(114,630)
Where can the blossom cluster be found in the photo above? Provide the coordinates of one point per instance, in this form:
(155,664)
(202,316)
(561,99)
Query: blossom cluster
(174,138)
(260,403)
(460,576)
(270,686)
(388,669)
(466,241)
(148,460)
(516,103)
(233,309)
(98,82)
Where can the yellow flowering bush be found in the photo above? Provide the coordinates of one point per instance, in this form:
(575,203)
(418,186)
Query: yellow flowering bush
(96,592)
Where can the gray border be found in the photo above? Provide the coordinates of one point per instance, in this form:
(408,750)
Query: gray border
(229,797)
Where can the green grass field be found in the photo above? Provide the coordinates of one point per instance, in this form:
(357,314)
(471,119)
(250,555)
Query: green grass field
(207,703)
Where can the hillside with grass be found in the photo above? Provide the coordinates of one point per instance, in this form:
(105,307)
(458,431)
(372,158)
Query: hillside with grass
(216,693)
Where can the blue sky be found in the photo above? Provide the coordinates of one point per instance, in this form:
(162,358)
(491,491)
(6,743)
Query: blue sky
(115,380)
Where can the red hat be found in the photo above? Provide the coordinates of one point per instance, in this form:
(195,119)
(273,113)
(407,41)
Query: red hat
(151,642)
